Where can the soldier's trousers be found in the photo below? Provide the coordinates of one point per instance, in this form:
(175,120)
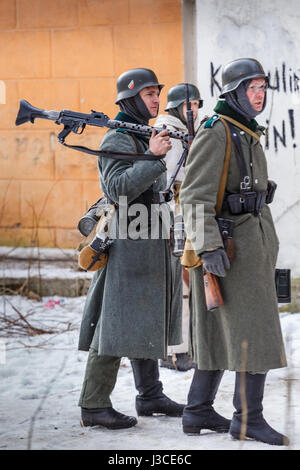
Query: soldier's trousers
(99,381)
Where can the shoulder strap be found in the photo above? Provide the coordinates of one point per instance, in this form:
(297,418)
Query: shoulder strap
(244,177)
(223,180)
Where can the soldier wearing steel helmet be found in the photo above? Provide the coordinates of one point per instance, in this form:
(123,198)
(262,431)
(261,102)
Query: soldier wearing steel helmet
(244,335)
(127,310)
(176,119)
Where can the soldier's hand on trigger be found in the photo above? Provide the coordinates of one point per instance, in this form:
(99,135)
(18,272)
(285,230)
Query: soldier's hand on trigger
(159,144)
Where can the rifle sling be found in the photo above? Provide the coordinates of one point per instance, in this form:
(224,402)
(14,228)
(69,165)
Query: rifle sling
(114,155)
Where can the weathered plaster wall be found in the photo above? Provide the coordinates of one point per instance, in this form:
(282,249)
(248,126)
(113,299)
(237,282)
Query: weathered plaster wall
(67,54)
(268,31)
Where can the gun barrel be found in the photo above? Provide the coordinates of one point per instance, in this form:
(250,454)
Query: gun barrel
(28,113)
(146,130)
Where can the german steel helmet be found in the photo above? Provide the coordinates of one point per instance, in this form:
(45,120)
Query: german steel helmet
(238,70)
(177,95)
(132,81)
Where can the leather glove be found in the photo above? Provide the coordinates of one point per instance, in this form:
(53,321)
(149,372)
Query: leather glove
(216,261)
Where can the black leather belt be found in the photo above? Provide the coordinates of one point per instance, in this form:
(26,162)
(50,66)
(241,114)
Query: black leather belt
(149,197)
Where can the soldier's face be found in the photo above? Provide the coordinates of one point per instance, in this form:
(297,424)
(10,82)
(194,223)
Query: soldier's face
(194,108)
(256,93)
(150,96)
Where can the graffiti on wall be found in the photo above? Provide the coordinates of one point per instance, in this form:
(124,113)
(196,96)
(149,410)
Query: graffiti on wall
(284,81)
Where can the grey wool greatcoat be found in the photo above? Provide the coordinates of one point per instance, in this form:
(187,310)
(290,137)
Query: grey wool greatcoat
(128,307)
(245,333)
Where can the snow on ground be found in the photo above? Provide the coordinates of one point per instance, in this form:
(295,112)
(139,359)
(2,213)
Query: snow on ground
(41,379)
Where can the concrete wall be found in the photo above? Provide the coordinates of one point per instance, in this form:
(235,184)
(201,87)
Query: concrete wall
(67,54)
(268,31)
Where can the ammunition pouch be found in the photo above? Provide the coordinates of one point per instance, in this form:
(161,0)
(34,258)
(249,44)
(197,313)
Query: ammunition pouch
(246,200)
(249,201)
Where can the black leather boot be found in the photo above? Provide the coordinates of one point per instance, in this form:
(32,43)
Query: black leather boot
(107,417)
(199,412)
(255,425)
(151,398)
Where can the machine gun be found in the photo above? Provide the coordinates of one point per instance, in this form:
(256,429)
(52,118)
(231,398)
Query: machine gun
(76,122)
(94,255)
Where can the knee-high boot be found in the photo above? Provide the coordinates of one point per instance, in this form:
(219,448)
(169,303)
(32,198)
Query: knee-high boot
(151,398)
(248,421)
(199,412)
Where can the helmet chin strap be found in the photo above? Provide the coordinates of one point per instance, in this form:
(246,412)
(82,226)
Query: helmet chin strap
(136,108)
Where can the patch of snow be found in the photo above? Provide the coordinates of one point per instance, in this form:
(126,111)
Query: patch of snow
(42,376)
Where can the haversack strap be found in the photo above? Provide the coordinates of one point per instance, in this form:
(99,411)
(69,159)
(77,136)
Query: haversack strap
(223,180)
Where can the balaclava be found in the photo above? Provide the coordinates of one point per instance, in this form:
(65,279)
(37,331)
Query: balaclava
(136,108)
(238,100)
(178,113)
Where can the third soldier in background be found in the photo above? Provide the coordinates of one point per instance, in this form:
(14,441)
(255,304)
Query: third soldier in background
(176,119)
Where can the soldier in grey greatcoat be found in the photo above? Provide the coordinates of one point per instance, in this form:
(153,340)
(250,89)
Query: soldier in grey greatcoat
(244,335)
(128,307)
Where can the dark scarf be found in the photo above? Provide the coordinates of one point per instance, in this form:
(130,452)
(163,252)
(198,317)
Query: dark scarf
(222,107)
(238,100)
(136,109)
